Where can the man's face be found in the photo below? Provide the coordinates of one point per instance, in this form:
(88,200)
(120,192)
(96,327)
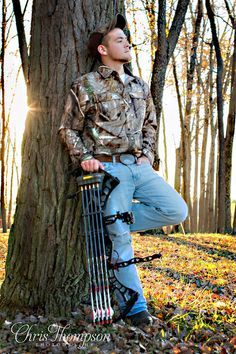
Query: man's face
(116,46)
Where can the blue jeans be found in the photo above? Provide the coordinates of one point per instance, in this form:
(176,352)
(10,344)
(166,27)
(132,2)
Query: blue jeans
(153,202)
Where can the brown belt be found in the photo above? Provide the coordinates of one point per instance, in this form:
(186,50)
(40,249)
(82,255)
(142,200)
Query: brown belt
(108,158)
(117,158)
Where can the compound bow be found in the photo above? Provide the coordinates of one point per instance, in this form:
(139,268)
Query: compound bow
(95,189)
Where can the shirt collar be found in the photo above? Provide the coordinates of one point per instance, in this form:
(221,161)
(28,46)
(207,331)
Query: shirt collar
(106,71)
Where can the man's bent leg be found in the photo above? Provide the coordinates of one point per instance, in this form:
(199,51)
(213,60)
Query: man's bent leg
(159,203)
(119,233)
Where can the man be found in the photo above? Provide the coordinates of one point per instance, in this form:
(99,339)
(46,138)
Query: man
(110,123)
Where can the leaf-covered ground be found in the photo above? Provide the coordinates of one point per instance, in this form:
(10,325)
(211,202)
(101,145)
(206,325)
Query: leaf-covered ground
(191,290)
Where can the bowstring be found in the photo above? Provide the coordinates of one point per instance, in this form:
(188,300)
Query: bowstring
(94,237)
(94,289)
(101,251)
(104,253)
(85,216)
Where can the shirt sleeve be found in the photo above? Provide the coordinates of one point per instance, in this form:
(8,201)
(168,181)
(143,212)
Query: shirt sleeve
(149,129)
(72,123)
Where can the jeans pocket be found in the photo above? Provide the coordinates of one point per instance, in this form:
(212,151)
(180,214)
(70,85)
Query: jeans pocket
(107,166)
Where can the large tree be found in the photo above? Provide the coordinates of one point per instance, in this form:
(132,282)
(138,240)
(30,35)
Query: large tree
(45,266)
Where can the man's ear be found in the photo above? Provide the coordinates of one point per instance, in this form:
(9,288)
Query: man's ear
(102,50)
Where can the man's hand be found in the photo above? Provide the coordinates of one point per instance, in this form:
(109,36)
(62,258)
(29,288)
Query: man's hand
(92,165)
(142,159)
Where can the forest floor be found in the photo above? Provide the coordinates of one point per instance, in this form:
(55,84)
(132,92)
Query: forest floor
(191,291)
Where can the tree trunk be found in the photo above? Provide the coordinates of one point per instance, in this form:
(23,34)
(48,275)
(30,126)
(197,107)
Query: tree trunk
(234,222)
(221,172)
(195,212)
(210,204)
(180,150)
(178,179)
(46,262)
(9,217)
(194,220)
(217,190)
(165,49)
(202,197)
(3,135)
(229,139)
(21,38)
(177,170)
(134,24)
(187,116)
(165,148)
(211,182)
(149,6)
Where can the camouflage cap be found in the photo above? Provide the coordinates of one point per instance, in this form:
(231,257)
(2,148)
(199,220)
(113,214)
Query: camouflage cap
(97,36)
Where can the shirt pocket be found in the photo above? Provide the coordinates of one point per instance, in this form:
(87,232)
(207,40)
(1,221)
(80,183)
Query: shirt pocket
(139,102)
(135,141)
(111,105)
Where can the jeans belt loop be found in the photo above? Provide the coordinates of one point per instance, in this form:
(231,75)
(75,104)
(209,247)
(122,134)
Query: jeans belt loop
(113,158)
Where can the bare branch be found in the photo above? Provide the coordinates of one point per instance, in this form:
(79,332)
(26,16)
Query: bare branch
(232,19)
(21,38)
(27,2)
(177,25)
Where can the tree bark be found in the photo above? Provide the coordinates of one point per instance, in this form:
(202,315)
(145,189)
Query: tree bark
(3,132)
(187,116)
(46,261)
(177,170)
(221,172)
(165,48)
(178,179)
(149,6)
(230,135)
(195,210)
(234,222)
(9,217)
(202,197)
(210,200)
(165,148)
(179,151)
(134,23)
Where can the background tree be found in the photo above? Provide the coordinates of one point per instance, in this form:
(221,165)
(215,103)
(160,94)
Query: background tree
(8,86)
(200,126)
(19,16)
(166,42)
(230,131)
(3,116)
(45,265)
(186,146)
(220,105)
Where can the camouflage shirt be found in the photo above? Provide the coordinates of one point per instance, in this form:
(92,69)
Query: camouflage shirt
(103,115)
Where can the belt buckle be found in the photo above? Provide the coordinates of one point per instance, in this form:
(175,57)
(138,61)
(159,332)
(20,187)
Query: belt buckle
(128,159)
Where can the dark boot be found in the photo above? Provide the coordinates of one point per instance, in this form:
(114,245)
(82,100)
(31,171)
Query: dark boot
(142,318)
